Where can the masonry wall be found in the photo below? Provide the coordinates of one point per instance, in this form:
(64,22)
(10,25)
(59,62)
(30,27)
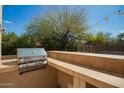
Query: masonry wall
(108,63)
(43,78)
(48,77)
(51,77)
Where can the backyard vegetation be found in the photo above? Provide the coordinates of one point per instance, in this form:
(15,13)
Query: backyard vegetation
(61,29)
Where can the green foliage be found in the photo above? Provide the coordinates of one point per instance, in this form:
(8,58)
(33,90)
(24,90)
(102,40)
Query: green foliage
(90,38)
(120,39)
(56,29)
(104,42)
(8,43)
(99,38)
(62,29)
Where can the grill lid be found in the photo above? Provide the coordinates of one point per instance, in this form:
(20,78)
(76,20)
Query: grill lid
(31,52)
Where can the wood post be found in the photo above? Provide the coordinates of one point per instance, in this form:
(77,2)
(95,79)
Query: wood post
(82,84)
(78,83)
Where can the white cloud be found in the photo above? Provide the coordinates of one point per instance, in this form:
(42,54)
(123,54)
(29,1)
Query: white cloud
(7,21)
(121,31)
(118,32)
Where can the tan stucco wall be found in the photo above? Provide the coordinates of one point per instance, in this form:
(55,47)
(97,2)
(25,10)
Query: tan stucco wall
(9,57)
(51,77)
(102,62)
(48,77)
(64,80)
(0,30)
(44,78)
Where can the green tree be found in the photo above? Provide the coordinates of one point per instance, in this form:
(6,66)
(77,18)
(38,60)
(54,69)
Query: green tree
(59,28)
(8,43)
(100,37)
(90,38)
(120,39)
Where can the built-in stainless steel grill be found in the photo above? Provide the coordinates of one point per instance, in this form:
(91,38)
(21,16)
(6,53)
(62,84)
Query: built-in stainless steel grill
(31,59)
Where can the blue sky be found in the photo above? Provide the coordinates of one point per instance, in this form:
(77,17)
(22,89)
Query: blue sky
(17,17)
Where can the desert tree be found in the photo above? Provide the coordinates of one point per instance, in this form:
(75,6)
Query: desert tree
(58,28)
